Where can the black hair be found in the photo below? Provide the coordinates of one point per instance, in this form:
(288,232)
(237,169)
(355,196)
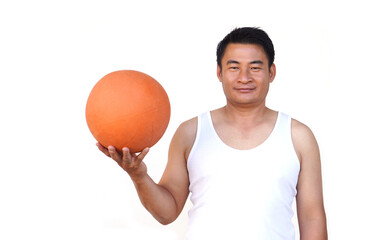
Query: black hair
(247,35)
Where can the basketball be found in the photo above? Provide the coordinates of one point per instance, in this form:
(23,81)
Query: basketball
(128,108)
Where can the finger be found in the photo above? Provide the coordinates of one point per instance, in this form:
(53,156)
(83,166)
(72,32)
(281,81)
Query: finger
(142,155)
(114,154)
(103,149)
(127,157)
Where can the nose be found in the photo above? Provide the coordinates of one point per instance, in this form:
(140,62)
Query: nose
(244,75)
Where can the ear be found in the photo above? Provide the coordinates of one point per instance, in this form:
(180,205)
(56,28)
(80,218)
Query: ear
(272,72)
(219,73)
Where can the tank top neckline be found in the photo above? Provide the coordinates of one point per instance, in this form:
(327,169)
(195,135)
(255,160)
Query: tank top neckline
(221,142)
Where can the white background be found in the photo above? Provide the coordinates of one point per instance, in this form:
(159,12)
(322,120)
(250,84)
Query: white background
(55,184)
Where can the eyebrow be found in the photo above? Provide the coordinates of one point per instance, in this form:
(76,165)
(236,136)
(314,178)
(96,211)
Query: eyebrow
(252,62)
(257,62)
(232,62)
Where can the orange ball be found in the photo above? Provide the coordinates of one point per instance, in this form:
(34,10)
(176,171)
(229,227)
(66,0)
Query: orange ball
(128,109)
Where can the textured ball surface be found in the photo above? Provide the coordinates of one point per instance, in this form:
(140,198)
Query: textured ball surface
(128,109)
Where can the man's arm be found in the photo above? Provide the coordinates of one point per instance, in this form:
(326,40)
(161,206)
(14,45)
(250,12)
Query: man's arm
(310,207)
(165,200)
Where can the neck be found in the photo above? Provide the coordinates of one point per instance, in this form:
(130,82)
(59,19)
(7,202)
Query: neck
(248,114)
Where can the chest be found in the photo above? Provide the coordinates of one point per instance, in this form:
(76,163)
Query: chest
(243,138)
(219,171)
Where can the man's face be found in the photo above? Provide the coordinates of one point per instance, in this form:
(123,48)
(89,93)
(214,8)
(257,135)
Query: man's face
(245,74)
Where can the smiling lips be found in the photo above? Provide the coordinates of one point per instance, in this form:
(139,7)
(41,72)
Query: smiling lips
(245,89)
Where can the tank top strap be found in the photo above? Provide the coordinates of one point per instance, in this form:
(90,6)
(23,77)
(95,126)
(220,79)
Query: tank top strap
(283,128)
(205,122)
(203,130)
(283,122)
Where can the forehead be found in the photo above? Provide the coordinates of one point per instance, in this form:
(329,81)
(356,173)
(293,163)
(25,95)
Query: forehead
(239,51)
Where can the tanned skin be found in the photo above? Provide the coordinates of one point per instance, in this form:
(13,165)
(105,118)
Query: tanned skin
(243,123)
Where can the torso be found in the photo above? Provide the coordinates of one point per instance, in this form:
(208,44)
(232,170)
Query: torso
(231,177)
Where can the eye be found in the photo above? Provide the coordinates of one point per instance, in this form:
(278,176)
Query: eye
(233,68)
(255,68)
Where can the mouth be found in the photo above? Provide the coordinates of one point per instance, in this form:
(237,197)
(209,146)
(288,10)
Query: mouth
(245,89)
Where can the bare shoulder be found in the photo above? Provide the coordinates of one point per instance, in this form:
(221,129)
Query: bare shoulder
(185,135)
(303,139)
(299,128)
(189,127)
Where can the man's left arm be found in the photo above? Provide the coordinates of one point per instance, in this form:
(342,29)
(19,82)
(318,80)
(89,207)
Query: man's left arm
(310,207)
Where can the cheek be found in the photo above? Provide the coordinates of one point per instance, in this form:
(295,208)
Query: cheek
(225,87)
(265,88)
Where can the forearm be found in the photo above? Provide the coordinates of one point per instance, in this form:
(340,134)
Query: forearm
(156,199)
(313,229)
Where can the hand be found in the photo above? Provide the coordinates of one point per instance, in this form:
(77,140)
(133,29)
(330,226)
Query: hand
(130,162)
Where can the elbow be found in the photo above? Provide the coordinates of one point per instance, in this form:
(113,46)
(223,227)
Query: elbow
(166,218)
(166,221)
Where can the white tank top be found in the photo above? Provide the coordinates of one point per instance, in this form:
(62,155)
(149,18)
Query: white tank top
(242,194)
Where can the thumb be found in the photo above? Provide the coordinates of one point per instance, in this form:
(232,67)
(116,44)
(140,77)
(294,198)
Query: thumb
(142,155)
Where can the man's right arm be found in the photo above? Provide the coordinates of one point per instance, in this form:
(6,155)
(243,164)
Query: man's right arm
(166,199)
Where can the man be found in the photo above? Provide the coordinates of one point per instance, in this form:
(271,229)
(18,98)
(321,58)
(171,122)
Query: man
(243,163)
